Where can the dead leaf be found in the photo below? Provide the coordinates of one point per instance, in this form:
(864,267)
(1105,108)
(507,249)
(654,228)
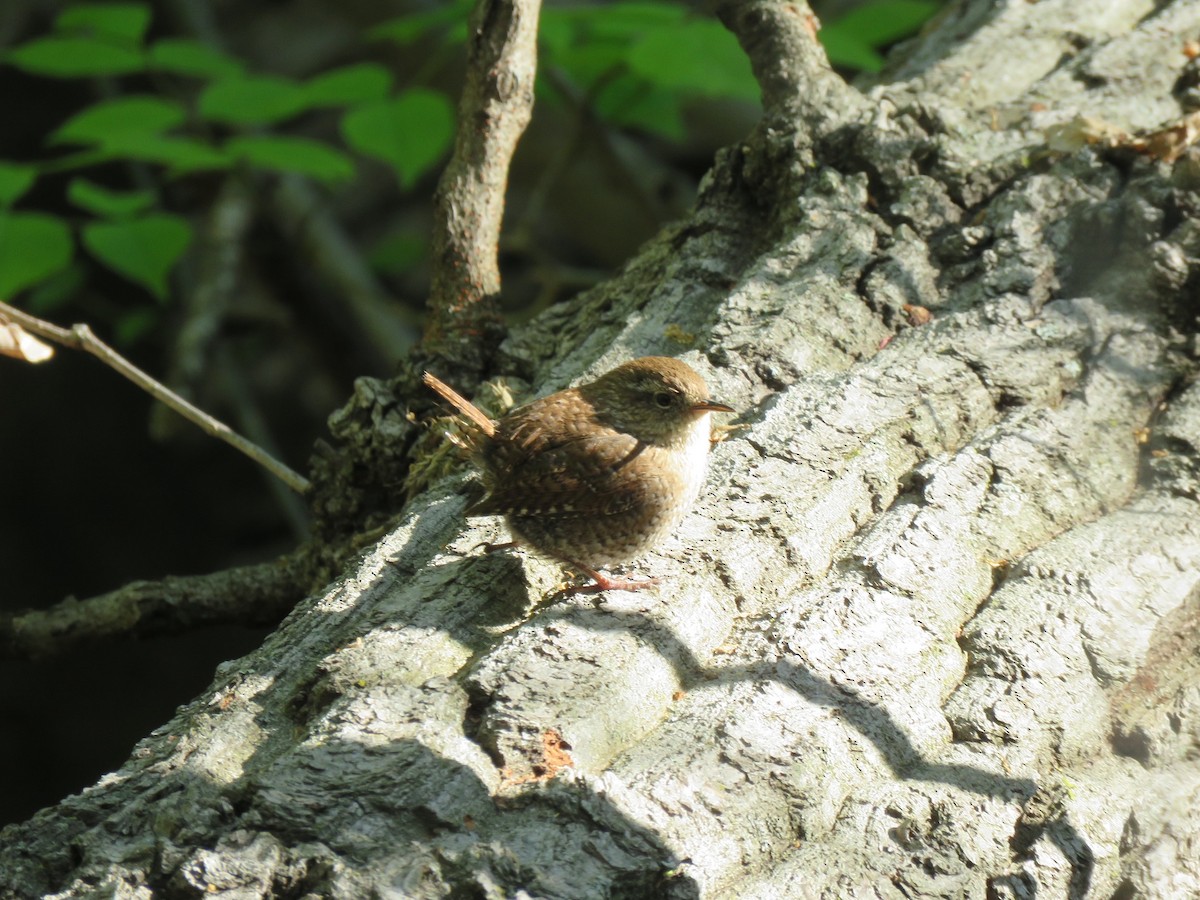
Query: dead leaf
(917,315)
(1170,143)
(1167,144)
(721,433)
(18,343)
(1083,131)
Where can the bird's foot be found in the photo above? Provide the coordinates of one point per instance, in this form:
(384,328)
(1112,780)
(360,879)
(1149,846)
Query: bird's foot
(602,582)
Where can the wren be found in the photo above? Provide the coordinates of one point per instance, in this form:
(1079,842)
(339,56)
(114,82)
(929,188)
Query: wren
(596,475)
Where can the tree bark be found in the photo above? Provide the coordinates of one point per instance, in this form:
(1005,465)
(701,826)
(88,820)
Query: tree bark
(934,627)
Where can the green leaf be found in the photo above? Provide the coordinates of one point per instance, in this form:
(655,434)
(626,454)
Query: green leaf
(626,101)
(55,291)
(192,58)
(697,56)
(135,324)
(406,29)
(556,33)
(293,154)
(143,250)
(105,203)
(74,57)
(589,62)
(33,246)
(106,121)
(124,21)
(627,22)
(884,21)
(252,100)
(180,154)
(15,180)
(359,83)
(847,51)
(602,32)
(410,133)
(398,251)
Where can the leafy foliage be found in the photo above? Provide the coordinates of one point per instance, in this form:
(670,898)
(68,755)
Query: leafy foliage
(15,180)
(178,56)
(213,115)
(108,204)
(143,248)
(635,63)
(252,100)
(854,39)
(361,83)
(33,246)
(293,154)
(115,21)
(107,121)
(407,132)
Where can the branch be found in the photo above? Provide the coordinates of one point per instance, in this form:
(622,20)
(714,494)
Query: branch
(385,330)
(496,105)
(789,63)
(81,337)
(244,596)
(208,296)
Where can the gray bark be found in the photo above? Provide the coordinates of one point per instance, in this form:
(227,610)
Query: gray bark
(934,627)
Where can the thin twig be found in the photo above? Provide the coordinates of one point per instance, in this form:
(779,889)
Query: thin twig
(81,337)
(496,105)
(789,63)
(248,416)
(385,329)
(210,285)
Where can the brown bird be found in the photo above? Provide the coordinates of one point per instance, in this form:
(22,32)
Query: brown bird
(596,475)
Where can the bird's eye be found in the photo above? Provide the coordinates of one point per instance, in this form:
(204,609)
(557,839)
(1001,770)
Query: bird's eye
(664,400)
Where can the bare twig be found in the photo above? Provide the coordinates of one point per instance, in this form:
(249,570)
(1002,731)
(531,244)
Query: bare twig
(261,593)
(211,282)
(81,337)
(789,63)
(248,416)
(386,330)
(496,105)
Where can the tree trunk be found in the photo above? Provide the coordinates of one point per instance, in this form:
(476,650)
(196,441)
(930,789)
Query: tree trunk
(934,627)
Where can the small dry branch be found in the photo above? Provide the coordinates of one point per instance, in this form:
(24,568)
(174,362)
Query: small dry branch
(261,593)
(496,105)
(81,337)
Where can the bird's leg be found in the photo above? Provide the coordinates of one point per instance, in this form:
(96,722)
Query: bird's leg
(607,582)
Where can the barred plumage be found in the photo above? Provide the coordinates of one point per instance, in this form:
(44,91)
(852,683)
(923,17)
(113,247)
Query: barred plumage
(598,474)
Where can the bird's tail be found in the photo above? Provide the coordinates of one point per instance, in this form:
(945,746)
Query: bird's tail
(472,412)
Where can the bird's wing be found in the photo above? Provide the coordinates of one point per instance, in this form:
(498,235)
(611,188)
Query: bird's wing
(564,475)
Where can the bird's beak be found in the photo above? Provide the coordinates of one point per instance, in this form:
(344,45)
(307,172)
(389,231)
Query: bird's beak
(711,406)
